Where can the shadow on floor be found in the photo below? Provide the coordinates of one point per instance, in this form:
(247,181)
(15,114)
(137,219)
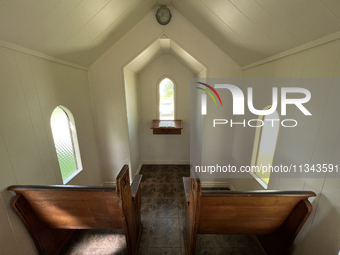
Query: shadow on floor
(163,218)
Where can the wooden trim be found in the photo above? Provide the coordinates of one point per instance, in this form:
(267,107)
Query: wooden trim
(192,214)
(175,129)
(18,48)
(185,241)
(256,193)
(318,42)
(130,207)
(16,188)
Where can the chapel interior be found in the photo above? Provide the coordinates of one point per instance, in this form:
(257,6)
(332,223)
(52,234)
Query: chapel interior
(103,96)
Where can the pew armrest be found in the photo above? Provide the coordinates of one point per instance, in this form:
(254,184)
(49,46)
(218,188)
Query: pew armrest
(186,183)
(136,184)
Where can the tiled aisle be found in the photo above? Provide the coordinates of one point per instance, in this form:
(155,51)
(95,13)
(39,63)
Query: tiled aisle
(163,214)
(163,217)
(162,211)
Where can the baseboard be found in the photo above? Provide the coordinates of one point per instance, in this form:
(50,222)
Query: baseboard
(231,187)
(217,184)
(166,162)
(112,184)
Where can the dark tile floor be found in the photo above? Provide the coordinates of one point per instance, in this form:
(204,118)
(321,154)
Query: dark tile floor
(163,217)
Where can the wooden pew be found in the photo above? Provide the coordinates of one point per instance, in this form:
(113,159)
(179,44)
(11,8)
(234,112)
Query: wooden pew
(274,217)
(52,213)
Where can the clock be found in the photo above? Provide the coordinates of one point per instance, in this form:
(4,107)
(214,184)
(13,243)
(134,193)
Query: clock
(163,15)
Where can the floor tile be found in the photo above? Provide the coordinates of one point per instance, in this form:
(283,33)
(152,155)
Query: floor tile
(205,241)
(148,189)
(164,251)
(147,207)
(166,207)
(234,241)
(205,251)
(164,232)
(239,251)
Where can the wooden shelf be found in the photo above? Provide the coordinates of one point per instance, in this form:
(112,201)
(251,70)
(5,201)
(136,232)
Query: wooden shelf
(167,127)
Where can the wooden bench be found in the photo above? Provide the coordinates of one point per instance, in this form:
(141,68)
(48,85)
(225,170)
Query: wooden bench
(52,213)
(274,217)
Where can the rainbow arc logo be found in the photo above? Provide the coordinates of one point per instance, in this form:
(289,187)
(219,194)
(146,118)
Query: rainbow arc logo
(208,92)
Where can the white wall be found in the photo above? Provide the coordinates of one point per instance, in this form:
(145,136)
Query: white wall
(314,140)
(165,149)
(133,118)
(107,82)
(31,88)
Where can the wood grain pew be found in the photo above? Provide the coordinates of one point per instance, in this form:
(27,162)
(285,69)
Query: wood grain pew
(274,217)
(53,213)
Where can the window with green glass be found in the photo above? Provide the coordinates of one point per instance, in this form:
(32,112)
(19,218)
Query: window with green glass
(264,146)
(166,100)
(66,144)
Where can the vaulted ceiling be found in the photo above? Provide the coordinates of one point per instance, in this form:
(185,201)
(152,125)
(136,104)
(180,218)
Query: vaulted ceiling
(80,31)
(164,46)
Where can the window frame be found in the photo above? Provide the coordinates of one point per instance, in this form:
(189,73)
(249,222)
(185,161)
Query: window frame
(256,148)
(75,143)
(158,99)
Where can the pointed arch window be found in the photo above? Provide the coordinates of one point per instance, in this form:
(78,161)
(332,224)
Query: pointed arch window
(166,100)
(264,146)
(66,143)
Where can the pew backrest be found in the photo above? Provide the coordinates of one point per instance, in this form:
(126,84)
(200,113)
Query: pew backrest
(249,212)
(52,213)
(274,217)
(73,207)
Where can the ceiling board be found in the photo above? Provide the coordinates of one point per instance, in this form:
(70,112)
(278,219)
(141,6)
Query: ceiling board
(16,16)
(80,31)
(313,15)
(266,23)
(333,6)
(257,29)
(286,20)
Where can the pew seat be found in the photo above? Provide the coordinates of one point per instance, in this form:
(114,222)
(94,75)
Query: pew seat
(51,214)
(273,217)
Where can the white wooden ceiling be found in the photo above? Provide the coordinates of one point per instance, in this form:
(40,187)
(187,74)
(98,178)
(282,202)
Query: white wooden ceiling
(164,46)
(250,30)
(80,31)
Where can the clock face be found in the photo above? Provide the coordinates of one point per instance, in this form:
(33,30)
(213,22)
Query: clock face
(163,15)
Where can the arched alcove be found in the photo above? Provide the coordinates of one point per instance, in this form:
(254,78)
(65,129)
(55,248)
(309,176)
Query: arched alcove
(162,48)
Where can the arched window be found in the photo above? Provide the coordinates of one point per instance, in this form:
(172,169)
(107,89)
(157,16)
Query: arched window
(66,143)
(264,146)
(166,100)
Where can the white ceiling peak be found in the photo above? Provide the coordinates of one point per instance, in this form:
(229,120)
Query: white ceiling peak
(164,46)
(164,36)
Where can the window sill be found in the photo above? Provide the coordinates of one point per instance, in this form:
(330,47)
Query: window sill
(259,180)
(167,127)
(71,176)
